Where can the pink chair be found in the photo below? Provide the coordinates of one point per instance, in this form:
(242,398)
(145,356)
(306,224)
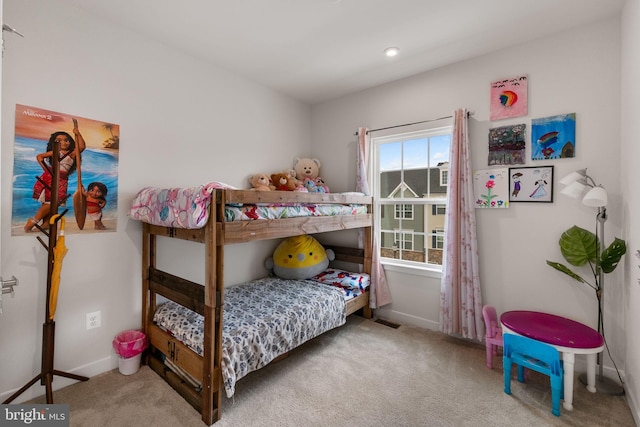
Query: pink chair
(493,338)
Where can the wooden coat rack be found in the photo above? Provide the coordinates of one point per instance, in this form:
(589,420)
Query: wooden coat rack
(49,326)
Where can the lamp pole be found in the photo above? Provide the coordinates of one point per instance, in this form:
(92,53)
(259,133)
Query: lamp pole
(603,384)
(601,218)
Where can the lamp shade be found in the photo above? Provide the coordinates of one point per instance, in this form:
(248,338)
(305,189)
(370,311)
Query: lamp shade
(573,190)
(596,197)
(573,177)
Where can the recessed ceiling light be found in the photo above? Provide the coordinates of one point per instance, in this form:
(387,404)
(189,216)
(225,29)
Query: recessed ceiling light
(391,51)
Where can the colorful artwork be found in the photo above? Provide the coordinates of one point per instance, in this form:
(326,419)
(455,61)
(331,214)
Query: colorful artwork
(507,145)
(553,137)
(508,98)
(491,188)
(96,143)
(531,184)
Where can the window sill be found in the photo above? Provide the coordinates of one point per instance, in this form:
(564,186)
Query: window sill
(417,271)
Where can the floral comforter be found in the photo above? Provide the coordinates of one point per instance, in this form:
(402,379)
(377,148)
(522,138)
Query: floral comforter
(174,207)
(262,319)
(277,211)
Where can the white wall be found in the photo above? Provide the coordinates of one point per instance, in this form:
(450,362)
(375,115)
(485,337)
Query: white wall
(630,176)
(182,123)
(577,71)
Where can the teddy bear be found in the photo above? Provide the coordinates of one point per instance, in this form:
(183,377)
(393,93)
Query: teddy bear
(260,182)
(293,177)
(306,168)
(282,182)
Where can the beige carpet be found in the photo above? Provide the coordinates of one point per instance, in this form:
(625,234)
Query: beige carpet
(361,374)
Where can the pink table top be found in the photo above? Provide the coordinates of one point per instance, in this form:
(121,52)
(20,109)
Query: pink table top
(551,329)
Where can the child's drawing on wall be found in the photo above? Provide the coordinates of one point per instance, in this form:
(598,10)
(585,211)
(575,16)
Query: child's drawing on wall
(491,188)
(531,184)
(508,98)
(507,145)
(553,137)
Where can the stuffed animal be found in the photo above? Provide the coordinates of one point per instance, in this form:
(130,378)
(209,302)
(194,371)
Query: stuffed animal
(306,168)
(311,186)
(299,257)
(260,182)
(320,184)
(292,177)
(282,182)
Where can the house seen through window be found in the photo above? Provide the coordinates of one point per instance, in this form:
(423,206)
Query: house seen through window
(410,184)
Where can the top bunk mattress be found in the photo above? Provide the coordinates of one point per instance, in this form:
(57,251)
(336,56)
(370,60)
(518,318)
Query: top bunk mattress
(189,207)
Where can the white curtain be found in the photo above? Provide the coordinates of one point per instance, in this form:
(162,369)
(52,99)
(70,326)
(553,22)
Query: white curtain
(460,294)
(380,294)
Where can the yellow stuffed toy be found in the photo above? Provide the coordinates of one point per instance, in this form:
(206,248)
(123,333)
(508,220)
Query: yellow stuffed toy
(299,257)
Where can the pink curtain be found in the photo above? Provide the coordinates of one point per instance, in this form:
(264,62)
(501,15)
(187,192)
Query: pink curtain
(380,294)
(460,295)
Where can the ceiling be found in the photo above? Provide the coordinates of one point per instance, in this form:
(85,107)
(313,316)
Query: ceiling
(316,50)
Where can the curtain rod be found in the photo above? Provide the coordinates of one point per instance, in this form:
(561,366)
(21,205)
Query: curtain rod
(469,113)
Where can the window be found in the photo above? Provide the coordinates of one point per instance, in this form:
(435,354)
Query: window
(410,186)
(439,209)
(444,177)
(404,211)
(437,241)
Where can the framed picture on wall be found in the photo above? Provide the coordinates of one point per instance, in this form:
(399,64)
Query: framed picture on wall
(531,184)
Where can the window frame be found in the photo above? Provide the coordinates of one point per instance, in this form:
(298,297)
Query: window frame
(395,264)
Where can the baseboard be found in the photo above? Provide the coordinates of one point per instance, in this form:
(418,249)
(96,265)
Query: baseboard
(89,370)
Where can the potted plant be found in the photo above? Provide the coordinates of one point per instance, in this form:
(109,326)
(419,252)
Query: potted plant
(580,247)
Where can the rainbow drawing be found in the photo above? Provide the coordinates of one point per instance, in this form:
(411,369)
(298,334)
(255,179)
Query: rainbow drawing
(508,98)
(548,138)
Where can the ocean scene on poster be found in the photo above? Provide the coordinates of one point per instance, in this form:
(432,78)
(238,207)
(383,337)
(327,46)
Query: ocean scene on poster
(97,165)
(553,137)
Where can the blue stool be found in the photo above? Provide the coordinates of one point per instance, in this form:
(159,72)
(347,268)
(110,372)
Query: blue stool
(537,356)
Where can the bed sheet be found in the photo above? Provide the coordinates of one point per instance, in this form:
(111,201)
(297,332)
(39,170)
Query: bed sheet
(278,211)
(261,320)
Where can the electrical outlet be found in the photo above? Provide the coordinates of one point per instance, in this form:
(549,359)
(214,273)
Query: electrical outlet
(93,320)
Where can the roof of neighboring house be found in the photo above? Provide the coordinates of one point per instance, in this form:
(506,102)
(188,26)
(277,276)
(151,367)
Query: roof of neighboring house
(415,179)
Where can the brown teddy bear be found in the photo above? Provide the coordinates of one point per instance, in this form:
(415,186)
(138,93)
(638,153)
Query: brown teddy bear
(292,176)
(260,182)
(282,182)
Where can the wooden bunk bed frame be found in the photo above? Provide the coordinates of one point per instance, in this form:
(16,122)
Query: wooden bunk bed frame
(207,300)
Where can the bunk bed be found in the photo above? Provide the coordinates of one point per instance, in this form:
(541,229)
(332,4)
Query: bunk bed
(216,215)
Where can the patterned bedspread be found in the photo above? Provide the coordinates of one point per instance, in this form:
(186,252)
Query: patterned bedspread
(276,211)
(174,207)
(189,207)
(262,319)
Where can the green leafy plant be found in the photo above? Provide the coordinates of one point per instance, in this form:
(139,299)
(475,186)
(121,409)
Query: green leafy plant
(580,247)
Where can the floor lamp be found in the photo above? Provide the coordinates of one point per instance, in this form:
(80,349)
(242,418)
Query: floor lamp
(576,183)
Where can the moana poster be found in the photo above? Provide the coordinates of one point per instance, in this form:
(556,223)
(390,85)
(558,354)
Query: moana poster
(35,130)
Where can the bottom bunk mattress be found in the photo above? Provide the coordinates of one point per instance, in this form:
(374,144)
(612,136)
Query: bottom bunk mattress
(262,319)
